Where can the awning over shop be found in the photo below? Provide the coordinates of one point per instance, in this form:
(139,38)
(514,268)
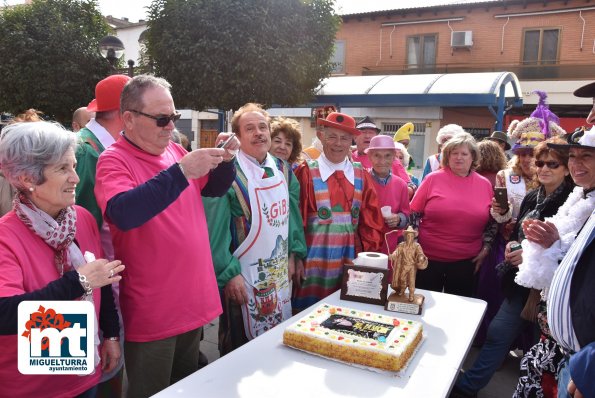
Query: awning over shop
(498,91)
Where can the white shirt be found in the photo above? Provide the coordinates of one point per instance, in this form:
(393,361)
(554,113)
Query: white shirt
(104,137)
(327,168)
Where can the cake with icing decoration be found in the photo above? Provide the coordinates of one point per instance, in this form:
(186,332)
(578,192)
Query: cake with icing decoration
(354,336)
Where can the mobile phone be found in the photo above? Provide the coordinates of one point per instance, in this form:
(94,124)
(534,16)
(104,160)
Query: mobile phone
(223,144)
(515,247)
(501,197)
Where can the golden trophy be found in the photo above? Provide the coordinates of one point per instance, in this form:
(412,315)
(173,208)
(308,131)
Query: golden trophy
(407,258)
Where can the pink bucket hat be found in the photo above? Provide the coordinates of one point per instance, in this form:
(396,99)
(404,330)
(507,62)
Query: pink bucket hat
(381,142)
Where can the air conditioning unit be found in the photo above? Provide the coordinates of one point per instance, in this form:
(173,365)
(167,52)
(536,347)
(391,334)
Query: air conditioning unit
(463,38)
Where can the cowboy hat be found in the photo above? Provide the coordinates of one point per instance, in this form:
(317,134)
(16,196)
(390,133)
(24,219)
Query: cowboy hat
(580,138)
(586,91)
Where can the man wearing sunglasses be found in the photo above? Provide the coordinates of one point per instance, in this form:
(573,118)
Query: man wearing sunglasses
(149,190)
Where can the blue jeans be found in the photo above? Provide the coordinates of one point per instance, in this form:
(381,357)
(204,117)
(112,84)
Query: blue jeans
(506,326)
(563,379)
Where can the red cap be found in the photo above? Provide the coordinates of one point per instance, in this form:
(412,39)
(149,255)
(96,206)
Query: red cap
(107,94)
(340,121)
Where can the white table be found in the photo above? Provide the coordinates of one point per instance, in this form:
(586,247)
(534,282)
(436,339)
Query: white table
(266,368)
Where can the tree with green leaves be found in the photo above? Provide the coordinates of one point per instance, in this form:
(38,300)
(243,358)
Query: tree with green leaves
(225,53)
(50,60)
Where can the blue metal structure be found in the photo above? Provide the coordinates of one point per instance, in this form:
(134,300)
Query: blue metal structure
(498,91)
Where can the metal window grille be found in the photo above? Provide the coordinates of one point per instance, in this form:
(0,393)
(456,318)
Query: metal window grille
(391,128)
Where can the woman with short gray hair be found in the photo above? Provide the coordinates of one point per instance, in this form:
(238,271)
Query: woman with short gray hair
(455,228)
(42,241)
(433,162)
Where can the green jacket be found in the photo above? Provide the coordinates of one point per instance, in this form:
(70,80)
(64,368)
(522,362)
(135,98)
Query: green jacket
(87,154)
(223,235)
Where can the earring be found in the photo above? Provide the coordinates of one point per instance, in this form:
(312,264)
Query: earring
(31,189)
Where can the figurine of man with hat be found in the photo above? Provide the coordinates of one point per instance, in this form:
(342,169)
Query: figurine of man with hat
(407,259)
(97,135)
(369,130)
(339,207)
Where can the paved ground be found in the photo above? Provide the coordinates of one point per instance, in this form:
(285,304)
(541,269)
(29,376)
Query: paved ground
(502,384)
(504,381)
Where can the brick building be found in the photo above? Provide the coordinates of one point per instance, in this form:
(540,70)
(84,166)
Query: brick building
(549,45)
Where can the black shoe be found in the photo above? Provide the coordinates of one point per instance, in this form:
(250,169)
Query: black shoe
(458,393)
(202,360)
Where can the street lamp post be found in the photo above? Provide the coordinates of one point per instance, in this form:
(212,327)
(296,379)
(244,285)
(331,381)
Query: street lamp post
(131,68)
(112,49)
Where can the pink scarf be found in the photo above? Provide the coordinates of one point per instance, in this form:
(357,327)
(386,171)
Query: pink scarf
(57,233)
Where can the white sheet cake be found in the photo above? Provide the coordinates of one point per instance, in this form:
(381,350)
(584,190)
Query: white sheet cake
(354,336)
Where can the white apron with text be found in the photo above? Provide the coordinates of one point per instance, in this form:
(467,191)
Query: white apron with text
(263,255)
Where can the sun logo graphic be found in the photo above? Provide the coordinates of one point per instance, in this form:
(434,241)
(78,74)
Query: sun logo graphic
(56,337)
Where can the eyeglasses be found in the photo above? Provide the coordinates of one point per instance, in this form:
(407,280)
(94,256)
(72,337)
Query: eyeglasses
(161,121)
(550,165)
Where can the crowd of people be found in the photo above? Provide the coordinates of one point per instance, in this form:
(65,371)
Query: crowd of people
(258,228)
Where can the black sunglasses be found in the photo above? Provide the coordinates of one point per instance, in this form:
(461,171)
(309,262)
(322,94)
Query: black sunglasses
(162,121)
(550,165)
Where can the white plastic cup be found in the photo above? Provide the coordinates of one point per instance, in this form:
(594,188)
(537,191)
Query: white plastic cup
(386,211)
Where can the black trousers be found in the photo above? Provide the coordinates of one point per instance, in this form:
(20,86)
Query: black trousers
(451,277)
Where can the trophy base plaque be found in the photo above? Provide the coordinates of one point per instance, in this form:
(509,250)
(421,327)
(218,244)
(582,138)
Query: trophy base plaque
(402,304)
